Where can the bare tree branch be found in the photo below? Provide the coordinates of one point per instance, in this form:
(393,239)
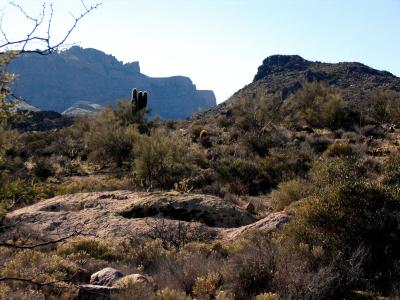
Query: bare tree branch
(23,45)
(51,242)
(32,281)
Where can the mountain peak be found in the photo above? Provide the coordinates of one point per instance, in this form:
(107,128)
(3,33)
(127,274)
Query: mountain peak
(281,63)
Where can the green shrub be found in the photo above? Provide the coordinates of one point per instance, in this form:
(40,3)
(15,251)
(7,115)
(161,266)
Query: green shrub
(95,248)
(349,213)
(250,267)
(329,171)
(339,149)
(206,286)
(286,164)
(161,160)
(41,268)
(109,139)
(317,105)
(287,193)
(244,176)
(385,106)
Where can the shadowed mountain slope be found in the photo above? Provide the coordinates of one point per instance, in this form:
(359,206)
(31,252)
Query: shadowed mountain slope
(60,81)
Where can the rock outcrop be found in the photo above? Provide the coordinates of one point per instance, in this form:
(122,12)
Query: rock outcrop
(119,215)
(106,277)
(62,80)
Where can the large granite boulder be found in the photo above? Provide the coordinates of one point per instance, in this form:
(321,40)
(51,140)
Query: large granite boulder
(106,277)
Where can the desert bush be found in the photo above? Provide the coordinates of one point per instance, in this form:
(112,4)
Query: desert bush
(318,143)
(288,192)
(348,211)
(262,141)
(317,105)
(375,131)
(180,270)
(161,160)
(95,248)
(17,192)
(145,255)
(107,140)
(384,106)
(330,171)
(206,286)
(50,270)
(339,149)
(171,294)
(43,169)
(130,289)
(286,164)
(249,269)
(244,176)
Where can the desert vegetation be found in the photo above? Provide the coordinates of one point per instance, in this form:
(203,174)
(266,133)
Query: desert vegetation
(308,157)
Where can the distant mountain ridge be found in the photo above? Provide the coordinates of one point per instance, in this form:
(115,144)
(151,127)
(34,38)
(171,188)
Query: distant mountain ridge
(62,80)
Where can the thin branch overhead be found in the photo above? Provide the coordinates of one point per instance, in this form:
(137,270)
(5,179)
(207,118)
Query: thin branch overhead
(39,34)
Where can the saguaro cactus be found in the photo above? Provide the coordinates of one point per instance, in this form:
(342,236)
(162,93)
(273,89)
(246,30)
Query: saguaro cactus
(138,101)
(134,100)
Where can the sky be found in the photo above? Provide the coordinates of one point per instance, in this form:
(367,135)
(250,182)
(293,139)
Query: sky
(219,44)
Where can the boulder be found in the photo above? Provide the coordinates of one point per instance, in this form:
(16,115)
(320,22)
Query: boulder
(273,221)
(209,210)
(132,280)
(106,277)
(95,292)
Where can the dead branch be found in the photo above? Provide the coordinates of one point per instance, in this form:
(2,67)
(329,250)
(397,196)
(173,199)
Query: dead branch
(23,45)
(51,242)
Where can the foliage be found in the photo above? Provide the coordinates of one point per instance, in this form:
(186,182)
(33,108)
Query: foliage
(93,247)
(385,106)
(48,269)
(317,105)
(349,211)
(288,192)
(107,139)
(163,160)
(339,149)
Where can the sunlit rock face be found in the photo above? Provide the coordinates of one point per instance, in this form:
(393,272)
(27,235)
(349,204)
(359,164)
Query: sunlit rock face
(62,80)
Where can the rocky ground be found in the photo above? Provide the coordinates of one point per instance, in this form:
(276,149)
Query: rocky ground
(120,215)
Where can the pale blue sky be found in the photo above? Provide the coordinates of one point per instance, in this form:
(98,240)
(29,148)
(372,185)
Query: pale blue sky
(220,43)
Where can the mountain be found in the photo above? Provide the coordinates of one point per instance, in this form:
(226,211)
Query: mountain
(282,75)
(62,80)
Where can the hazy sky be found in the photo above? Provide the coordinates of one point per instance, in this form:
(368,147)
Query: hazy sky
(220,43)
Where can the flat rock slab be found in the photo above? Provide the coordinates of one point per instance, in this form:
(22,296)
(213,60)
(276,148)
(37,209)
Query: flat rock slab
(119,215)
(95,292)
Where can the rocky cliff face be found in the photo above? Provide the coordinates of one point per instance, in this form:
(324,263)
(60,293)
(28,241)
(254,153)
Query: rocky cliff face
(284,74)
(60,81)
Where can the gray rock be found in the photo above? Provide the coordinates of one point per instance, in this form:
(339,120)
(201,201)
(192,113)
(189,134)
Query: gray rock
(106,277)
(95,292)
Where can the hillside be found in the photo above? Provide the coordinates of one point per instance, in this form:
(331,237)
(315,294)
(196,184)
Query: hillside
(61,81)
(282,75)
